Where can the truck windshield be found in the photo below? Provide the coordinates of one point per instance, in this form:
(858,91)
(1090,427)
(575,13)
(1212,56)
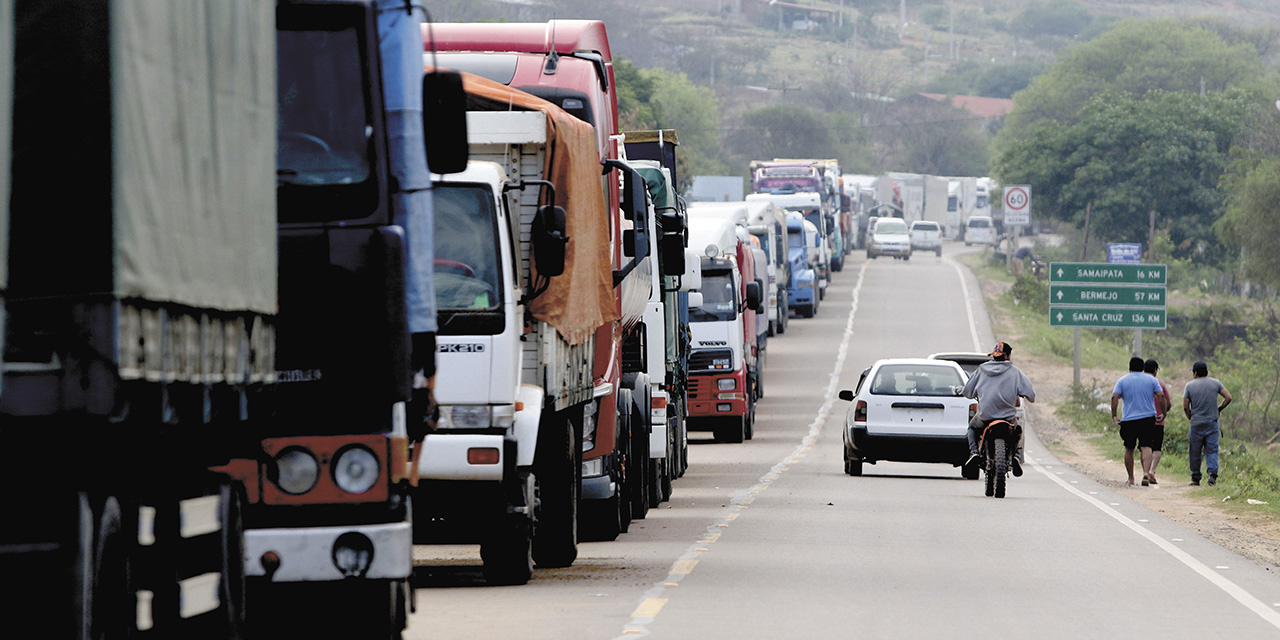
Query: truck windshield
(323,126)
(719,302)
(795,238)
(467,275)
(814,216)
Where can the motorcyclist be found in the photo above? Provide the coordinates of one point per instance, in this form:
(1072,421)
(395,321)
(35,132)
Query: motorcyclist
(997,385)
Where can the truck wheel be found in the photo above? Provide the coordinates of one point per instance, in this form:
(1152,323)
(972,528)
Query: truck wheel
(109,594)
(783,311)
(732,430)
(749,422)
(507,552)
(558,468)
(638,476)
(231,590)
(906,257)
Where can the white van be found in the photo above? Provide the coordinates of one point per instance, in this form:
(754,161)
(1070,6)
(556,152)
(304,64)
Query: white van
(979,230)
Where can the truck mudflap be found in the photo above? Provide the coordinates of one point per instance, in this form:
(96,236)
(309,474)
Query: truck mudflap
(324,554)
(460,456)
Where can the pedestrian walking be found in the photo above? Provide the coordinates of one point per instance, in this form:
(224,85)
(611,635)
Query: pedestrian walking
(1200,403)
(1141,393)
(1152,368)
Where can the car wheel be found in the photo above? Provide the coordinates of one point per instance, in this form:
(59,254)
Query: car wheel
(906,257)
(855,468)
(938,251)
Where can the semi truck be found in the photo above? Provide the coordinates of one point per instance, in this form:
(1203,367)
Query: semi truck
(768,222)
(810,205)
(518,318)
(803,247)
(667,343)
(140,322)
(722,389)
(328,520)
(569,63)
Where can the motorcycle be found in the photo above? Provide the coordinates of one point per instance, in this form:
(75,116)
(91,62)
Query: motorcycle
(997,447)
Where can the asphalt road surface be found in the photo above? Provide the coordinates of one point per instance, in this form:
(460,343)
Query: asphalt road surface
(769,539)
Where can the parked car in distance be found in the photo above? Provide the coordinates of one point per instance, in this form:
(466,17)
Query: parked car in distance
(979,230)
(907,410)
(926,235)
(890,238)
(968,360)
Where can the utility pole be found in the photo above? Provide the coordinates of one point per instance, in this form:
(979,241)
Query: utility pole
(902,19)
(951,32)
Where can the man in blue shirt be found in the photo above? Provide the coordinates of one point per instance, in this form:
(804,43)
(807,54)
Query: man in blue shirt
(1140,392)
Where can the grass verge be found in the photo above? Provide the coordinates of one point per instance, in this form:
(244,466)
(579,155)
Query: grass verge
(1247,471)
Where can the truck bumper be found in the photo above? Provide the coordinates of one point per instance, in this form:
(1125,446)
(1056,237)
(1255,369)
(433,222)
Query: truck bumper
(707,400)
(799,297)
(312,554)
(447,456)
(598,488)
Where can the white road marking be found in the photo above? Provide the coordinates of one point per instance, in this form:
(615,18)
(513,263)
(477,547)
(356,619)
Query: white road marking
(652,601)
(1230,588)
(968,304)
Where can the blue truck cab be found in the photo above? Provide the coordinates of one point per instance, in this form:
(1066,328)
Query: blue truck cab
(802,291)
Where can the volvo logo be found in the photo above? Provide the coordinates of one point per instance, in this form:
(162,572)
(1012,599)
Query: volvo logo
(299,375)
(713,343)
(467,347)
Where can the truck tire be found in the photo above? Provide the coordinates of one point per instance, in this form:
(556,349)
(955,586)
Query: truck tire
(109,579)
(783,311)
(638,477)
(231,589)
(749,422)
(557,467)
(507,551)
(732,430)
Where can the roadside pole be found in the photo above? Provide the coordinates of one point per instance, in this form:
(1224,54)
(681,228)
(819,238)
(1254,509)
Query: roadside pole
(1075,357)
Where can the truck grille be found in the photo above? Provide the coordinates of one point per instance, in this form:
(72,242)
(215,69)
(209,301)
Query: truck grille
(704,360)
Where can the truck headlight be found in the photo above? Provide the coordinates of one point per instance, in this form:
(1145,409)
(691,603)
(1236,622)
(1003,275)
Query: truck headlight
(726,384)
(356,470)
(296,470)
(589,427)
(466,416)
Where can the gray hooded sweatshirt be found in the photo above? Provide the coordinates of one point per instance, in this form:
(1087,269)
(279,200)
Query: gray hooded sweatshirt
(997,385)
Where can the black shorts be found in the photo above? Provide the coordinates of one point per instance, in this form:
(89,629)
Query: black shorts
(1137,432)
(1157,438)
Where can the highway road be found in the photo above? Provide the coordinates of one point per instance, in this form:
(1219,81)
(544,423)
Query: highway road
(769,539)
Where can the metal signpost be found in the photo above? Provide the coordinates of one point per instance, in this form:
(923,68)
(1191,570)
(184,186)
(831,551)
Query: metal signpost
(1107,296)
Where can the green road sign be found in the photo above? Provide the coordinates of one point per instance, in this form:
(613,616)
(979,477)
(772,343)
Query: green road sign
(1109,295)
(1104,273)
(1106,317)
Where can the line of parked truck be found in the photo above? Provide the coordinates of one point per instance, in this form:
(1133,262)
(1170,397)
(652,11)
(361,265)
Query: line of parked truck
(470,309)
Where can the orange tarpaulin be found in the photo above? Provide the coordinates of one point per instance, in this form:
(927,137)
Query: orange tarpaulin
(581,299)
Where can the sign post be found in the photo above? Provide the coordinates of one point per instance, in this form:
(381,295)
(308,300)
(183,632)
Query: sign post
(1107,296)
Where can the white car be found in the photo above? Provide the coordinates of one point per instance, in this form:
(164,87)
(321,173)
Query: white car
(980,230)
(926,235)
(907,410)
(890,238)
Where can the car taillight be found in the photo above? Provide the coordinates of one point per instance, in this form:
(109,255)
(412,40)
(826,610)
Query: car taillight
(860,411)
(973,411)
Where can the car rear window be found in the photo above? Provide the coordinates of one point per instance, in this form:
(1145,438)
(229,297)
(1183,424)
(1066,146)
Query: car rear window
(891,226)
(924,226)
(979,223)
(916,380)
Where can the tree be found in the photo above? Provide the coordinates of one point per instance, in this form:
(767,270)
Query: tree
(1127,155)
(694,112)
(781,131)
(1250,221)
(1136,57)
(1053,18)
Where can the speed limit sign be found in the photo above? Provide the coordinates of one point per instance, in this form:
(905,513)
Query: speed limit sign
(1017,205)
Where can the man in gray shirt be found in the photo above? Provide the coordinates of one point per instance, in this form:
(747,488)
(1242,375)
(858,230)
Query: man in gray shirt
(1200,403)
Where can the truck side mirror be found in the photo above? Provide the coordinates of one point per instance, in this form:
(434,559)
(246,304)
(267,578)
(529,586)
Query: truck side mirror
(444,122)
(753,296)
(760,287)
(673,223)
(673,259)
(549,240)
(695,299)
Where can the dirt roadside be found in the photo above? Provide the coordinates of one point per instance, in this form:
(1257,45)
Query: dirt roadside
(1255,536)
